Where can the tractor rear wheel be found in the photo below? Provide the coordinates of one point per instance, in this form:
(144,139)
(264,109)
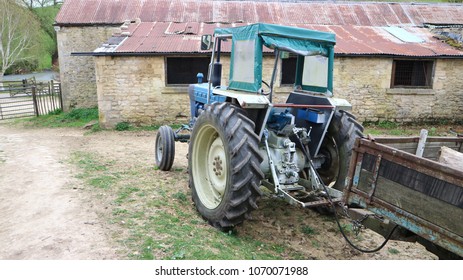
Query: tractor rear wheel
(224,165)
(337,148)
(165,148)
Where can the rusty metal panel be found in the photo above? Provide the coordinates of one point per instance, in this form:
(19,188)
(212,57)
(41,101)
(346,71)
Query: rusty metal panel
(292,11)
(351,39)
(138,35)
(347,15)
(175,11)
(205,12)
(87,14)
(190,12)
(322,13)
(149,9)
(414,14)
(361,16)
(400,13)
(192,28)
(176,28)
(386,11)
(333,14)
(275,12)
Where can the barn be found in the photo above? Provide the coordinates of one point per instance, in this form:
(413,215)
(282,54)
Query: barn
(135,59)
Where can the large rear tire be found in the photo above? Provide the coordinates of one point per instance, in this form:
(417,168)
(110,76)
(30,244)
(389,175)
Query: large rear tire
(337,148)
(165,148)
(224,165)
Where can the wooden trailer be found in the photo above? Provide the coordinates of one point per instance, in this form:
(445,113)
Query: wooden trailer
(388,185)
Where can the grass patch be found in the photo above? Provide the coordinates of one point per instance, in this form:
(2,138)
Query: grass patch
(81,117)
(393,251)
(387,128)
(94,172)
(180,196)
(88,162)
(74,118)
(152,216)
(102,182)
(122,126)
(308,230)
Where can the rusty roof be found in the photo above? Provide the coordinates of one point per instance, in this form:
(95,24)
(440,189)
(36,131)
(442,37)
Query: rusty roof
(151,38)
(103,12)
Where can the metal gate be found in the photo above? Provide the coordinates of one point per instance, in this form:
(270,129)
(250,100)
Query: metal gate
(28,98)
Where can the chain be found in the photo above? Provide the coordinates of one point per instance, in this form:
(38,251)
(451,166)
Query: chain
(357,225)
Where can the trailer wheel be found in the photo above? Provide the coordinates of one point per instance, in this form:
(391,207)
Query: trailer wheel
(224,165)
(337,148)
(165,148)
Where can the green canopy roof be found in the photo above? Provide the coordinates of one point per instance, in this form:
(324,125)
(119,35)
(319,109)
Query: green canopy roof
(246,56)
(287,38)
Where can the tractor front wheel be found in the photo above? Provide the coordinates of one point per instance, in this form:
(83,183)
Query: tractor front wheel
(165,148)
(224,165)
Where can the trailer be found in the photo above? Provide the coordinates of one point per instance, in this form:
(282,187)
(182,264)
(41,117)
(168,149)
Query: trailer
(390,187)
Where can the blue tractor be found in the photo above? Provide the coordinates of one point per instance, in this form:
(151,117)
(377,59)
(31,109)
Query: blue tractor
(240,140)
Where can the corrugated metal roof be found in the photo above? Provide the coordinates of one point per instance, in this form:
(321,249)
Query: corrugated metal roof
(165,37)
(77,12)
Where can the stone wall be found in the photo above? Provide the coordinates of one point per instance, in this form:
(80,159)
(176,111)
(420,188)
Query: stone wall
(365,82)
(77,73)
(133,89)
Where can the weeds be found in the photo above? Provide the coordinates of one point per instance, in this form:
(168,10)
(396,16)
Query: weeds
(123,126)
(81,114)
(180,197)
(308,230)
(387,125)
(393,251)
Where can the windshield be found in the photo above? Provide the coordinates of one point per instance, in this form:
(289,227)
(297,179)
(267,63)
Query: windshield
(315,71)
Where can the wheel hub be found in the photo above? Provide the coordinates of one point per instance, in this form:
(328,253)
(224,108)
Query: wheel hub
(217,174)
(217,163)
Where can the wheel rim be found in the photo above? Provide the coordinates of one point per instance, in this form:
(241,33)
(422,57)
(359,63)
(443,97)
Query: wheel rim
(329,171)
(159,150)
(210,168)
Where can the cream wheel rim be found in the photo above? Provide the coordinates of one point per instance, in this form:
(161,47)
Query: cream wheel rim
(210,167)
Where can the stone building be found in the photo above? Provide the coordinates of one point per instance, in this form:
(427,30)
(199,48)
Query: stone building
(389,63)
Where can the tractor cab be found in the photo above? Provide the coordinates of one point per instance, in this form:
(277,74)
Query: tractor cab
(314,50)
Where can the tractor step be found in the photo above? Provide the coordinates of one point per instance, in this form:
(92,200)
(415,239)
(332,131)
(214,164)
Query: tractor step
(292,188)
(320,202)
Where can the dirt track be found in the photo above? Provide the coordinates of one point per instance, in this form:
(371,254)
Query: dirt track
(43,216)
(47,215)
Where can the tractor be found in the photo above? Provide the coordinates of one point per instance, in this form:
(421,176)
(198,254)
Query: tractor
(240,140)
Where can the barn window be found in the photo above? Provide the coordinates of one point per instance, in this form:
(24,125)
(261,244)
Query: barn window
(412,73)
(183,70)
(288,71)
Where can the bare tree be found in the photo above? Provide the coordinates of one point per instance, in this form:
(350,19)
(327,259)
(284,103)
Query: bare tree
(27,3)
(39,3)
(16,34)
(43,3)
